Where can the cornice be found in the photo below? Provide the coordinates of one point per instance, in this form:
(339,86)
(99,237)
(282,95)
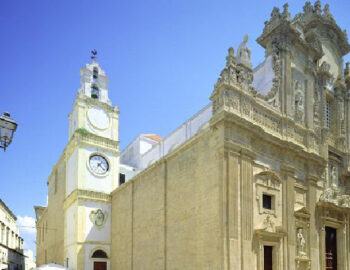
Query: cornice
(94,102)
(81,137)
(87,195)
(259,132)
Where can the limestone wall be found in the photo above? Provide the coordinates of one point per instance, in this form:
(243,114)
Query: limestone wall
(168,217)
(50,229)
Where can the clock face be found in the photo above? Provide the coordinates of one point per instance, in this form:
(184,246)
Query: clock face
(98,164)
(98,118)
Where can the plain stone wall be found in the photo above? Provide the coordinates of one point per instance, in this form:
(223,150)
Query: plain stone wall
(168,217)
(52,239)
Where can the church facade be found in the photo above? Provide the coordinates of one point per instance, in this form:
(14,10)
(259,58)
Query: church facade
(259,179)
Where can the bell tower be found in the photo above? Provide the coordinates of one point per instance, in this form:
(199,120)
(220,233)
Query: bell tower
(92,171)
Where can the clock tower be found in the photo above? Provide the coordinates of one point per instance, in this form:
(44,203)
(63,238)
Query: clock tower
(92,172)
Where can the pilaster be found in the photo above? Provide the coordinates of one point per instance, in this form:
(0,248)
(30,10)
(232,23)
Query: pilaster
(233,209)
(246,190)
(311,205)
(288,216)
(309,116)
(287,81)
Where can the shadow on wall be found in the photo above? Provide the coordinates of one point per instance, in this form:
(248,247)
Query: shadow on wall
(13,261)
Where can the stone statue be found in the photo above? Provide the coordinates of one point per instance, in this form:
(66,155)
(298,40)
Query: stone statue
(318,7)
(286,14)
(327,13)
(301,243)
(244,53)
(316,106)
(334,177)
(299,101)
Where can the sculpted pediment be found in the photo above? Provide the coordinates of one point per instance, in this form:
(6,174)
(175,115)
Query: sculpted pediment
(268,179)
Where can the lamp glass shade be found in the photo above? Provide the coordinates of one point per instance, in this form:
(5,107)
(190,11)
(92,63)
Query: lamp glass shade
(7,128)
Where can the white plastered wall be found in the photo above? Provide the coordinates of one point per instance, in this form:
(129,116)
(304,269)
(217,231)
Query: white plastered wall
(72,164)
(93,233)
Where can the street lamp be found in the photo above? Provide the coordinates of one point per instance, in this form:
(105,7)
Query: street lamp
(7,129)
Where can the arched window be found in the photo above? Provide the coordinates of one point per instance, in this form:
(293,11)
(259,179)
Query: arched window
(95,73)
(99,254)
(95,92)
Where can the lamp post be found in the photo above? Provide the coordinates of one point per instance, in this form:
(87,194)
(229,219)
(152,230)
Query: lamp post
(7,129)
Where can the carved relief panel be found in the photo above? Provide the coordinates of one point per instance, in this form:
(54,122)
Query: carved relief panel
(299,96)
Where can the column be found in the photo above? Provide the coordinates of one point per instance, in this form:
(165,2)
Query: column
(246,190)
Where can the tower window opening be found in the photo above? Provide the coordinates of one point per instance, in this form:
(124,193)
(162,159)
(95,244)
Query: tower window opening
(95,92)
(328,114)
(121,179)
(95,73)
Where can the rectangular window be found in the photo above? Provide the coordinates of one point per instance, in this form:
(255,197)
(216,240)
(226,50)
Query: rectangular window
(267,201)
(121,179)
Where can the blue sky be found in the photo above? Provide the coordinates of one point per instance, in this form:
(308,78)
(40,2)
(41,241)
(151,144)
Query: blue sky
(162,57)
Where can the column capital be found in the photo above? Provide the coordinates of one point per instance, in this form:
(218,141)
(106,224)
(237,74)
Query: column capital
(288,169)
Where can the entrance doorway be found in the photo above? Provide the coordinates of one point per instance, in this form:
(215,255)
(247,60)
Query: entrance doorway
(100,266)
(100,259)
(268,257)
(331,248)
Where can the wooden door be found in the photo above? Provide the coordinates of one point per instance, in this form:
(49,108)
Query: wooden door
(100,266)
(268,257)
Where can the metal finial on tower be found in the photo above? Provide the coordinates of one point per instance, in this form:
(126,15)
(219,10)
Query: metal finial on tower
(93,54)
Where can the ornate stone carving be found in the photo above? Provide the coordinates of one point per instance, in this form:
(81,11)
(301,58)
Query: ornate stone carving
(268,224)
(98,218)
(231,100)
(272,96)
(308,8)
(329,195)
(325,67)
(341,116)
(233,76)
(286,13)
(327,14)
